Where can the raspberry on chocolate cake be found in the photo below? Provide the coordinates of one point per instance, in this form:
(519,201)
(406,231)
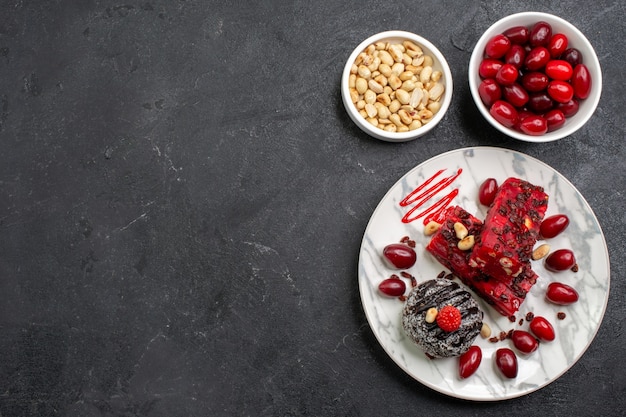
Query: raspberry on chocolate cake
(426,332)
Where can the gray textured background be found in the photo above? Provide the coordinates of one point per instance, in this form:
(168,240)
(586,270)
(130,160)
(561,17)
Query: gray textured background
(182,199)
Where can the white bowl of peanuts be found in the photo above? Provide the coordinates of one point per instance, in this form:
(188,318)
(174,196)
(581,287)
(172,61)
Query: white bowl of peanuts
(396,86)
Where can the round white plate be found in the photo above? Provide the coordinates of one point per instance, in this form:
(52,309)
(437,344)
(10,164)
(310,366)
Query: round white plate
(584,236)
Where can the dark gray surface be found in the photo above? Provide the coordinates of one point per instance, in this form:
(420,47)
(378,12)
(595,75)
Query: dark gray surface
(183,198)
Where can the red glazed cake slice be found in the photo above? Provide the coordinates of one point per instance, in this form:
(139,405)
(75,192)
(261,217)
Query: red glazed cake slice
(506,299)
(504,246)
(444,243)
(444,247)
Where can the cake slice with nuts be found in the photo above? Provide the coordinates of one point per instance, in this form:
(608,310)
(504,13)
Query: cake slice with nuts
(504,246)
(451,244)
(446,246)
(505,298)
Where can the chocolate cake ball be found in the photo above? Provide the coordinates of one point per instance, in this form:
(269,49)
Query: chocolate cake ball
(436,342)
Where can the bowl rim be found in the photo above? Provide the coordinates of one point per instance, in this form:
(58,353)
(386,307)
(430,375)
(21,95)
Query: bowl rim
(397,136)
(591,61)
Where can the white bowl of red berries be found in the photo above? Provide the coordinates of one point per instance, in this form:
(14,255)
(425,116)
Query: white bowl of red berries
(535,77)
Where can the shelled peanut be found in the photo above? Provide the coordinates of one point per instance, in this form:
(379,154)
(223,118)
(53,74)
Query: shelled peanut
(394,86)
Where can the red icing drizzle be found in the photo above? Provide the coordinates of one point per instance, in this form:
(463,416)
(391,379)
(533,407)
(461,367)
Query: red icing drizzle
(421,195)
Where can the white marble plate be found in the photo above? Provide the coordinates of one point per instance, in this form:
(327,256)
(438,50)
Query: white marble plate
(573,334)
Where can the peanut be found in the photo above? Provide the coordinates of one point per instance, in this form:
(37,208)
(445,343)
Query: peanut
(385,58)
(375,86)
(436,91)
(418,61)
(354,95)
(425,74)
(361,85)
(460,230)
(394,106)
(375,64)
(394,81)
(397,68)
(364,72)
(485,331)
(371,110)
(506,262)
(403,96)
(383,111)
(541,251)
(406,75)
(384,99)
(385,69)
(416,97)
(415,124)
(434,106)
(425,115)
(395,119)
(431,315)
(396,51)
(405,117)
(352,81)
(412,49)
(406,59)
(408,85)
(466,243)
(431,227)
